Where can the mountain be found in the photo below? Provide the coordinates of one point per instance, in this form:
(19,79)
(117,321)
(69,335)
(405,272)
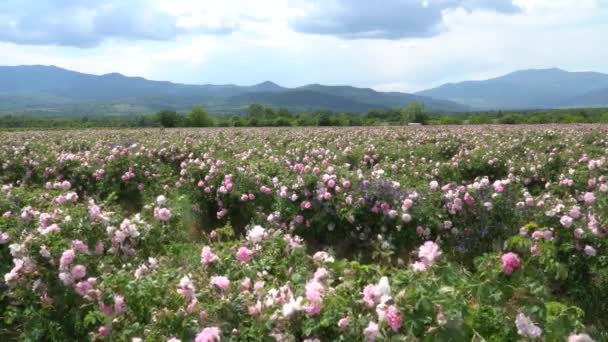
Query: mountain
(38,89)
(528,89)
(596,98)
(306,100)
(382,99)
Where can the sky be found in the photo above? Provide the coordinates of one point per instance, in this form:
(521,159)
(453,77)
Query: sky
(387,45)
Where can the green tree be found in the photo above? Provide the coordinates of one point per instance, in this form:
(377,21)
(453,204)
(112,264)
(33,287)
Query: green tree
(414,112)
(198,117)
(324,118)
(238,121)
(168,118)
(269,113)
(449,120)
(284,113)
(510,119)
(255,111)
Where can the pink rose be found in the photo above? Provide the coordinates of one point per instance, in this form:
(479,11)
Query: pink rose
(510,262)
(220,282)
(244,254)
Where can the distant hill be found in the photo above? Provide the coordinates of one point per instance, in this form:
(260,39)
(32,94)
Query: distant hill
(51,90)
(528,89)
(596,98)
(306,100)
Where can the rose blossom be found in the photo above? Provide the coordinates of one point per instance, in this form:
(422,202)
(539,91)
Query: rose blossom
(510,262)
(221,282)
(211,334)
(244,255)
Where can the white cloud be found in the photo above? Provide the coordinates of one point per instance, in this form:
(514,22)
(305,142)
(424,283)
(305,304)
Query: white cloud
(475,44)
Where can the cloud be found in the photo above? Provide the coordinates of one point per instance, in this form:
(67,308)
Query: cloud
(392,19)
(479,41)
(88,23)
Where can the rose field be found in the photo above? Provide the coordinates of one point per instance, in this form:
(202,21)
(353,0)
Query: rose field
(461,233)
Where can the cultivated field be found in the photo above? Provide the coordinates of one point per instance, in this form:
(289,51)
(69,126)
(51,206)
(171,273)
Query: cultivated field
(495,233)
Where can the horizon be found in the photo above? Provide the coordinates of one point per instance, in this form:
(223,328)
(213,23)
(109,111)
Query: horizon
(308,84)
(404,46)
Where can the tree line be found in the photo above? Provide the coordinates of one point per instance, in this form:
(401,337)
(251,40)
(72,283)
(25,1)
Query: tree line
(257,115)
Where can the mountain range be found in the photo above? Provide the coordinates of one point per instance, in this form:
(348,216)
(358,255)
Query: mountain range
(49,90)
(528,89)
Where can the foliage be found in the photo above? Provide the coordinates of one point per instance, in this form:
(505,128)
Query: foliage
(198,117)
(168,118)
(257,115)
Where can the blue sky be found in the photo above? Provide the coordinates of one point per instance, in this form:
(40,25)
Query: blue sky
(403,45)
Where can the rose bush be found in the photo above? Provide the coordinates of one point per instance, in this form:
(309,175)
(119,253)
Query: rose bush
(461,233)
